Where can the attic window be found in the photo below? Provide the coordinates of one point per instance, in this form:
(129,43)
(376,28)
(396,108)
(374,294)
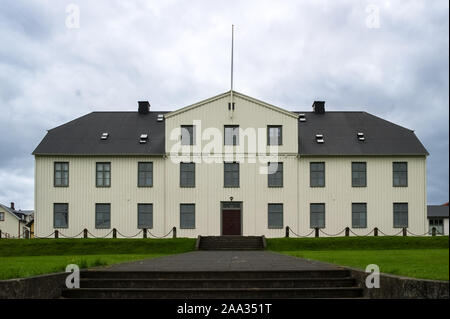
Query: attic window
(361,136)
(301,117)
(104,136)
(160,117)
(143,138)
(319,138)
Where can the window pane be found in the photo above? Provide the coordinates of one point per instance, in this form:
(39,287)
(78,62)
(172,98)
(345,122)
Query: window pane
(317,216)
(102,216)
(187,216)
(61,174)
(187,135)
(231,174)
(400,215)
(275,175)
(274,135)
(358,174)
(60,215)
(359,215)
(231,135)
(103,174)
(145,215)
(187,174)
(145,174)
(317,174)
(275,215)
(400,174)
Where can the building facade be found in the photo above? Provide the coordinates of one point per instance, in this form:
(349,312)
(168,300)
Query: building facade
(13,223)
(230,168)
(438,217)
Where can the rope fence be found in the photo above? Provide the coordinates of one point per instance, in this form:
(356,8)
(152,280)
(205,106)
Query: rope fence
(85,233)
(144,233)
(347,230)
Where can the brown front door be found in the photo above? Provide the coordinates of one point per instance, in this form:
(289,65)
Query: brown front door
(231,222)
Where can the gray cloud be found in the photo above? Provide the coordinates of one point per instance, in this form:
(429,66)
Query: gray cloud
(174,53)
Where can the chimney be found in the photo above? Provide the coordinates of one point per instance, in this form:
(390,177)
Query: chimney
(319,107)
(12,206)
(144,107)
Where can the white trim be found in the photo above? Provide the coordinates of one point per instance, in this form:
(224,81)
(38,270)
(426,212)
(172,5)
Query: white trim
(240,95)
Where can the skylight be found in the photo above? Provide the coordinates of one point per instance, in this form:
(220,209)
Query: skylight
(104,136)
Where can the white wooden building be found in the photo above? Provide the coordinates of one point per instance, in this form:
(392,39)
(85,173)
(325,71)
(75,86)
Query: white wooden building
(13,223)
(203,169)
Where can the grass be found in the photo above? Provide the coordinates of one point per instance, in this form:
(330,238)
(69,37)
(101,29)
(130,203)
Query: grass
(65,247)
(417,257)
(27,266)
(25,258)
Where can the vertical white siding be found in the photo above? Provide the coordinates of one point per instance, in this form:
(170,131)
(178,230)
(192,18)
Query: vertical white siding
(10,225)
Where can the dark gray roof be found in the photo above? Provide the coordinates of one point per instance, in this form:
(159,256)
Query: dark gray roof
(340,130)
(437,211)
(82,136)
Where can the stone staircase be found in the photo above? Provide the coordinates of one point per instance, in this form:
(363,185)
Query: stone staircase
(231,242)
(333,283)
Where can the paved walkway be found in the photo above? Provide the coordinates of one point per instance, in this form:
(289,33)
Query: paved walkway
(222,261)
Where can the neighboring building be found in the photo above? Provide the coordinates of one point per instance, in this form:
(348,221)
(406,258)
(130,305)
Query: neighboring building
(438,217)
(120,170)
(30,226)
(13,223)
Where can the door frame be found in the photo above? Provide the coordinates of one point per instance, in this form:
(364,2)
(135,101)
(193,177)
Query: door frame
(221,215)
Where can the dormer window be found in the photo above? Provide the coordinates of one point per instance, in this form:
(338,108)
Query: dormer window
(319,138)
(143,138)
(361,137)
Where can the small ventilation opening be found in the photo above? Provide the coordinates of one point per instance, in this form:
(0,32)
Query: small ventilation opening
(104,136)
(160,117)
(361,136)
(143,138)
(319,138)
(302,117)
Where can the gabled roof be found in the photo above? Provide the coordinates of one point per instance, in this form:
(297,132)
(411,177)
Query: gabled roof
(340,129)
(82,136)
(437,211)
(235,94)
(11,211)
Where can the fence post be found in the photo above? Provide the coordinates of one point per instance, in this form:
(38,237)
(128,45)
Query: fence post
(404,231)
(347,231)
(174,232)
(316,232)
(433,231)
(85,233)
(287,232)
(0,233)
(375,231)
(56,234)
(114,233)
(144,233)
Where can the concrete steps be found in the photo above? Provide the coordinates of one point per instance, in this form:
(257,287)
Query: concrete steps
(332,283)
(231,243)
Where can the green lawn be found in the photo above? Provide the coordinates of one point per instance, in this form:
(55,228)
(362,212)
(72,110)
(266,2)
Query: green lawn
(426,257)
(29,257)
(27,266)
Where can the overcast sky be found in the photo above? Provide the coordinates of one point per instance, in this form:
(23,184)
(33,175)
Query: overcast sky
(389,58)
